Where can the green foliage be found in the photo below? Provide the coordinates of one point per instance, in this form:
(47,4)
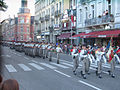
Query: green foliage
(3,6)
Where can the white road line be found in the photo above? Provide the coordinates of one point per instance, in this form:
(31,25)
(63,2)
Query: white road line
(18,54)
(8,56)
(67,61)
(14,53)
(24,67)
(49,66)
(62,73)
(67,64)
(34,61)
(36,66)
(26,58)
(92,65)
(10,68)
(59,65)
(96,88)
(109,65)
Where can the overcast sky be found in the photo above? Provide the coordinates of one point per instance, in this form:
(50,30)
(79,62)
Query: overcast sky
(13,8)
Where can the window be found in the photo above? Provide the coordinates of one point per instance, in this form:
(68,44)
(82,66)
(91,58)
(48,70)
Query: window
(27,21)
(28,29)
(57,6)
(21,29)
(60,6)
(93,11)
(22,20)
(52,10)
(80,15)
(86,12)
(109,6)
(21,37)
(56,20)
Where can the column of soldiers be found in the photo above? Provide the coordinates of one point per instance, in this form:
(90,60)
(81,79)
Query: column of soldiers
(80,54)
(84,56)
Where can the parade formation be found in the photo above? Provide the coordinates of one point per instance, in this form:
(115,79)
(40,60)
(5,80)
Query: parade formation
(84,54)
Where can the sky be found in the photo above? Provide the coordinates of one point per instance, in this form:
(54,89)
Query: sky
(13,8)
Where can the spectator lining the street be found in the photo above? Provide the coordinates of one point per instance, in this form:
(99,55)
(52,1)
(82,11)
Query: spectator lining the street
(104,13)
(10,84)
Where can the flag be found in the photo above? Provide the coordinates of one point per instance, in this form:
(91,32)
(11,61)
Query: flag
(110,43)
(110,53)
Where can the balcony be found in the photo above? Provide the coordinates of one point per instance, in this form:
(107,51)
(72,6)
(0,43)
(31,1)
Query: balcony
(47,17)
(67,27)
(101,20)
(42,19)
(57,13)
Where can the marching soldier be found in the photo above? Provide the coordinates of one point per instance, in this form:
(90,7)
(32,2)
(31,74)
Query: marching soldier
(74,53)
(58,50)
(99,58)
(40,50)
(43,50)
(46,50)
(111,61)
(84,60)
(50,52)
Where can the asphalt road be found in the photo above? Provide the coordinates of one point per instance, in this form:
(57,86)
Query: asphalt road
(40,74)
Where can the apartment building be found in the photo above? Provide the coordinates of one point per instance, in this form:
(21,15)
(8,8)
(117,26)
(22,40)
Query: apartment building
(25,23)
(98,15)
(48,17)
(19,28)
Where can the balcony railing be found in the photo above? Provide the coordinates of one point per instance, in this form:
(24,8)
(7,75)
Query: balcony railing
(47,17)
(68,26)
(42,19)
(99,20)
(57,13)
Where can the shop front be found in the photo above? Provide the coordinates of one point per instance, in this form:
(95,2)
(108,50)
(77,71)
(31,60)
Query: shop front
(101,37)
(47,37)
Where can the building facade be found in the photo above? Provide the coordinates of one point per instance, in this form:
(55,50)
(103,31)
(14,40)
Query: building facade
(48,18)
(97,15)
(25,30)
(19,28)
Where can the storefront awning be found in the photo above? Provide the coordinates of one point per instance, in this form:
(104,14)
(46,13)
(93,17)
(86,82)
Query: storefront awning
(64,36)
(99,34)
(103,34)
(79,35)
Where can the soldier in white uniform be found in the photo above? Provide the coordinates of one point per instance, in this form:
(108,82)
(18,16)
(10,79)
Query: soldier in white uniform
(43,49)
(112,61)
(58,50)
(50,52)
(74,53)
(84,58)
(99,60)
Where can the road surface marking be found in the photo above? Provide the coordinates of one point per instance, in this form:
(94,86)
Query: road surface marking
(89,85)
(18,54)
(10,68)
(49,66)
(26,58)
(14,53)
(8,56)
(62,73)
(67,61)
(34,61)
(36,66)
(67,64)
(109,65)
(59,65)
(24,67)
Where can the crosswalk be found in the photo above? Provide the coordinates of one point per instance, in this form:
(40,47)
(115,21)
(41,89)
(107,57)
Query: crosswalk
(42,66)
